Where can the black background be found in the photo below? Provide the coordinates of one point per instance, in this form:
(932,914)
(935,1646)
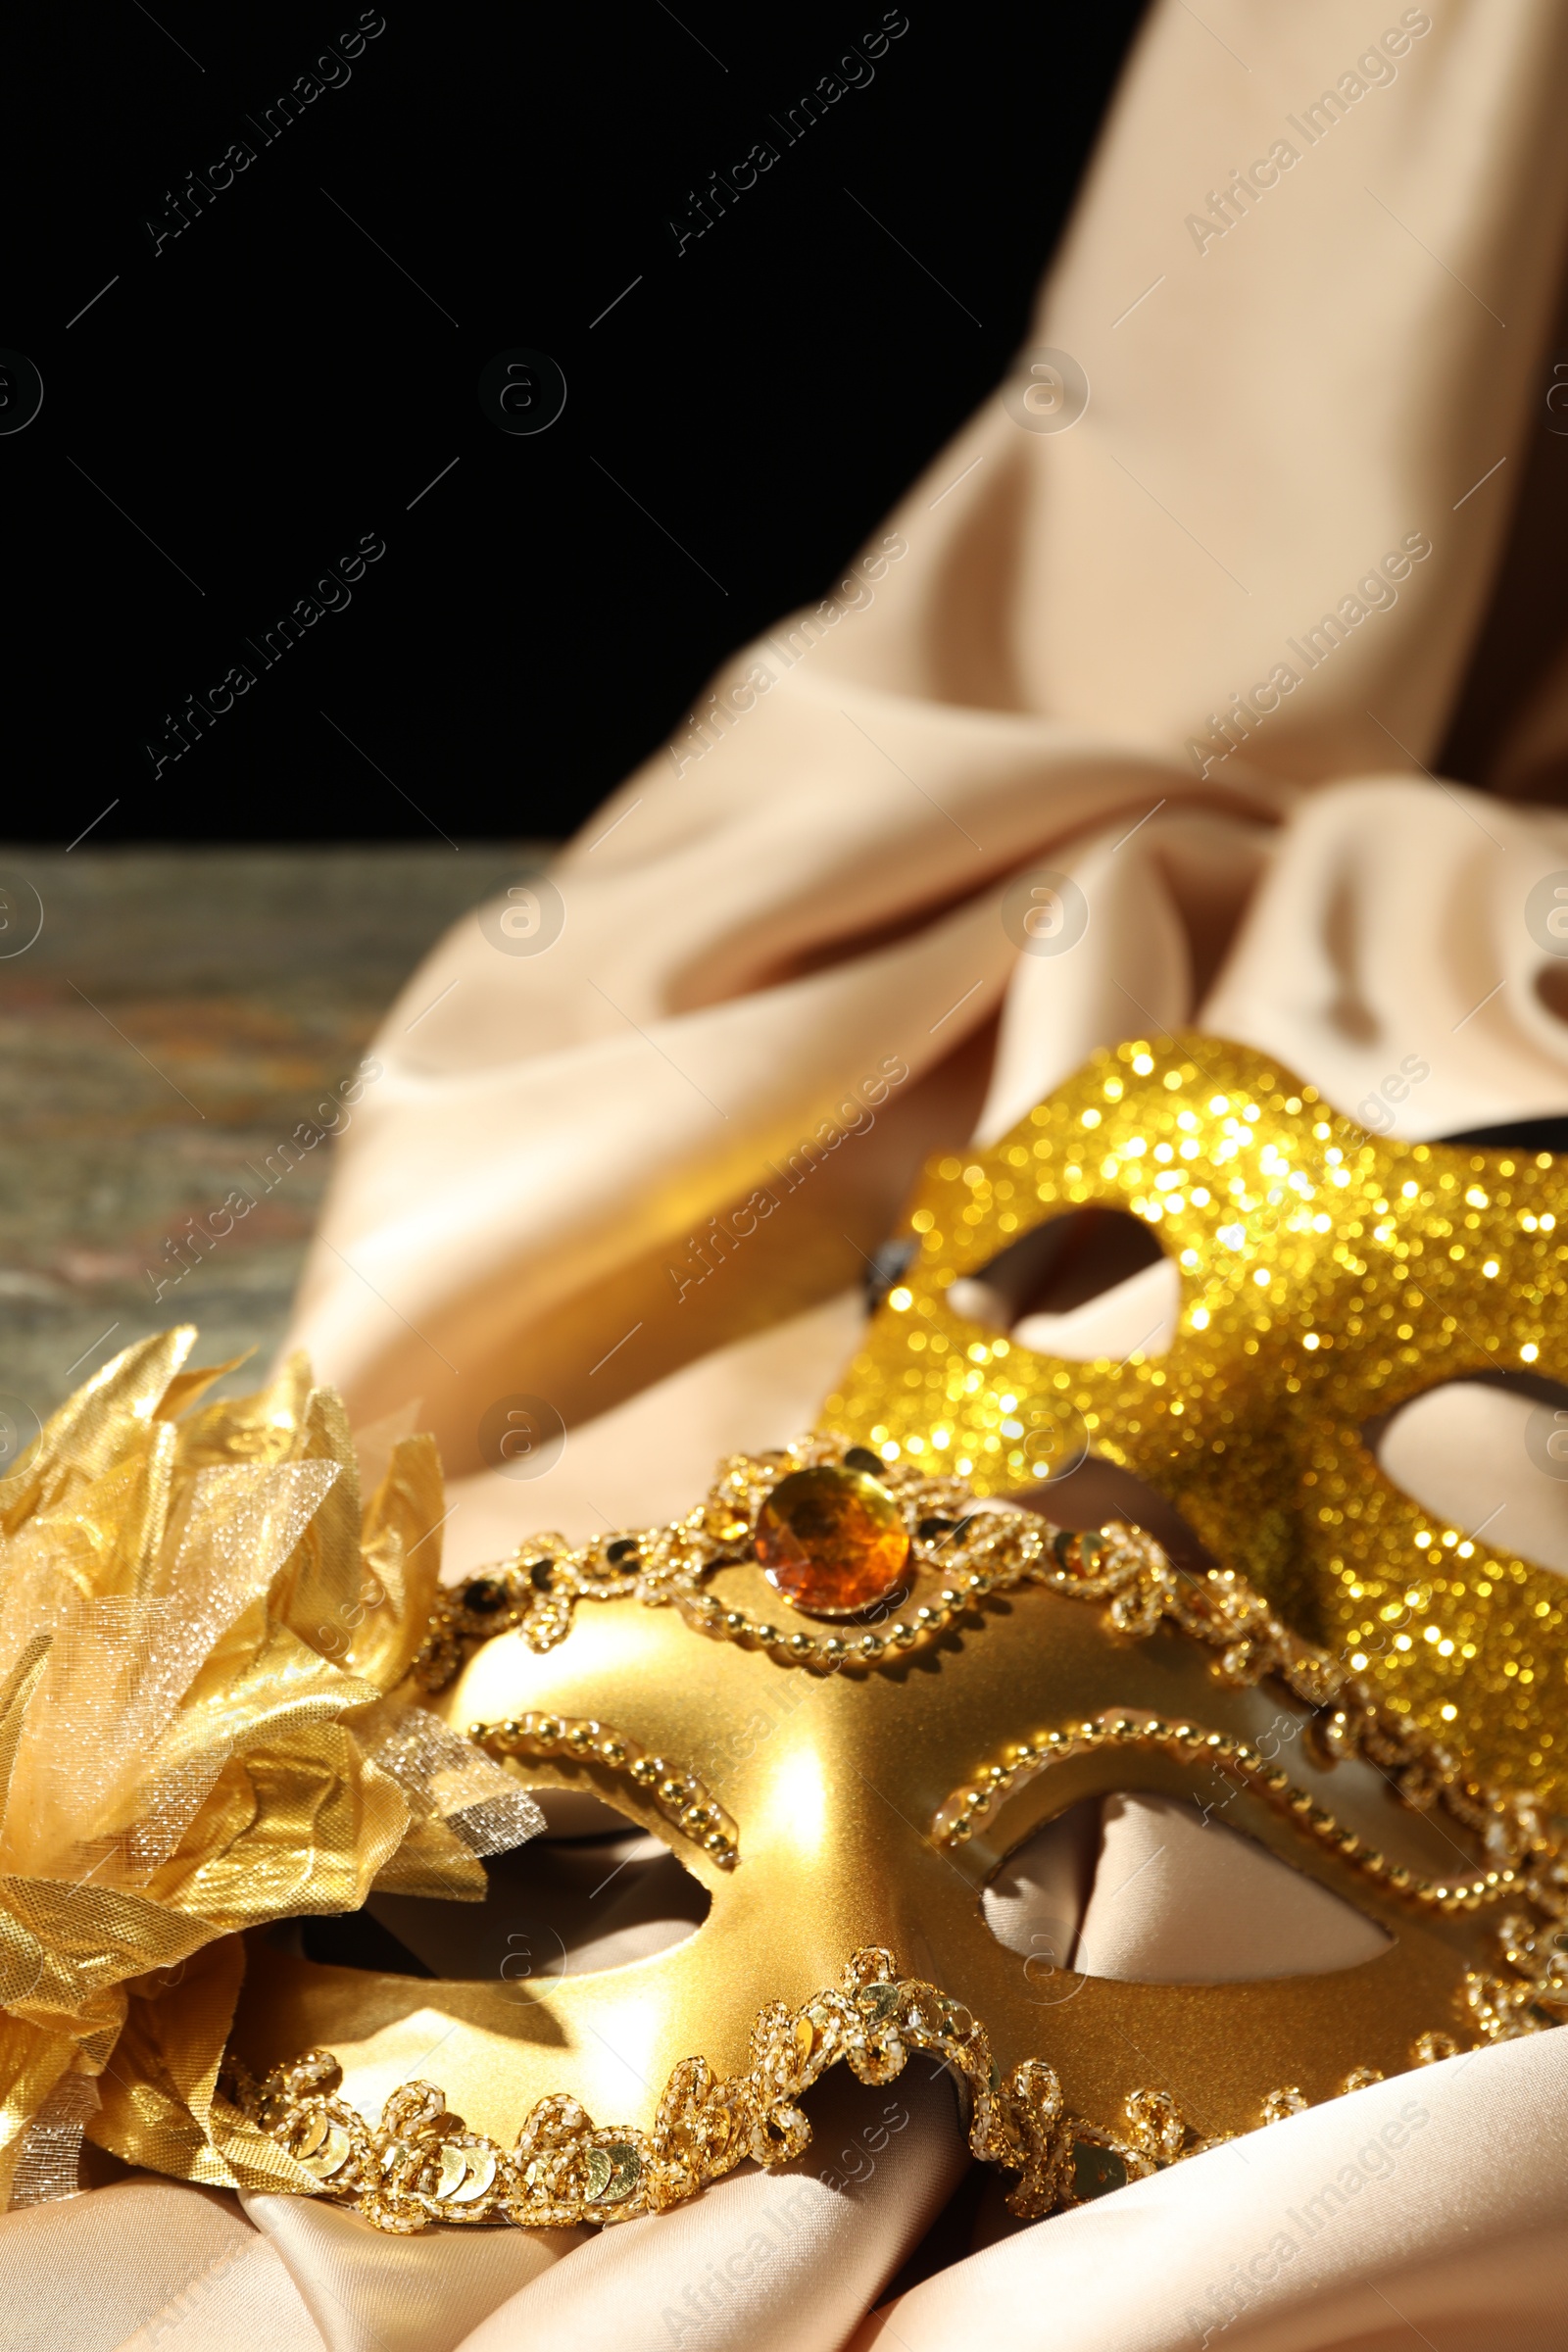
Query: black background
(271,385)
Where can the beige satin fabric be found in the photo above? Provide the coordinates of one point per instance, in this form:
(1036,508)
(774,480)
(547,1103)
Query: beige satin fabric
(754,926)
(768,2262)
(424,2294)
(1016,673)
(146,2266)
(1413,2213)
(1149,1889)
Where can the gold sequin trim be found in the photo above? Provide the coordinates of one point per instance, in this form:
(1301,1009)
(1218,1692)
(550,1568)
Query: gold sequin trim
(420,2164)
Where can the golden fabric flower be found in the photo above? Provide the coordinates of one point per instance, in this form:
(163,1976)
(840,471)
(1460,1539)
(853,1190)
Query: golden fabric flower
(199,1631)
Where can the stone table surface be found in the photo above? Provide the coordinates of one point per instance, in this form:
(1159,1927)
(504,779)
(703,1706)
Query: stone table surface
(178,1016)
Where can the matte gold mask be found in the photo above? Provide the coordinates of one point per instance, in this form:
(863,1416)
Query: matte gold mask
(871,1782)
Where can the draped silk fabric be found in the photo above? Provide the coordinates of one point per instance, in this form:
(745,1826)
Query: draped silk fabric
(1320,393)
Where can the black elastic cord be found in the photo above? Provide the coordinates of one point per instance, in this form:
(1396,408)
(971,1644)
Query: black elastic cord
(1516,1135)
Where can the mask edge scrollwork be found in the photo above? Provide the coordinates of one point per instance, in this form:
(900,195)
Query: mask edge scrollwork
(564,2169)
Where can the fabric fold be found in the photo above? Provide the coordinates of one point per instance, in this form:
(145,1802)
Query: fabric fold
(1192,653)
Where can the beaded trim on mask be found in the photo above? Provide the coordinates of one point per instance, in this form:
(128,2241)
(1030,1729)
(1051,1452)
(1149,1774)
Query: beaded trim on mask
(975,1551)
(420,2165)
(686,1804)
(986,1551)
(538,1591)
(1508,1827)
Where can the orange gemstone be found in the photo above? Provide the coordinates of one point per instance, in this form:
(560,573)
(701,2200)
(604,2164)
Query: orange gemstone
(832,1541)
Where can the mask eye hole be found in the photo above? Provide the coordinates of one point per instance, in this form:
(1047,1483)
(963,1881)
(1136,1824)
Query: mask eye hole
(594,1892)
(1092,1281)
(1095,1491)
(1487,1457)
(1136,1887)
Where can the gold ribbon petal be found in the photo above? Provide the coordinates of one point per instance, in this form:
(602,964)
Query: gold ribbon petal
(161,2105)
(199,1632)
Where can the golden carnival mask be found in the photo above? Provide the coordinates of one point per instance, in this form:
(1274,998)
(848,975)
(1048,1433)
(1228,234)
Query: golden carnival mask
(844,1794)
(856,1682)
(1326,1278)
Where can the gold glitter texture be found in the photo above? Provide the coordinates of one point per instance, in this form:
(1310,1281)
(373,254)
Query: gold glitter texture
(1327,1277)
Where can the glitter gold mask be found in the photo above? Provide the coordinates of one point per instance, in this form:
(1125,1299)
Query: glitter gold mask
(844,1791)
(1327,1277)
